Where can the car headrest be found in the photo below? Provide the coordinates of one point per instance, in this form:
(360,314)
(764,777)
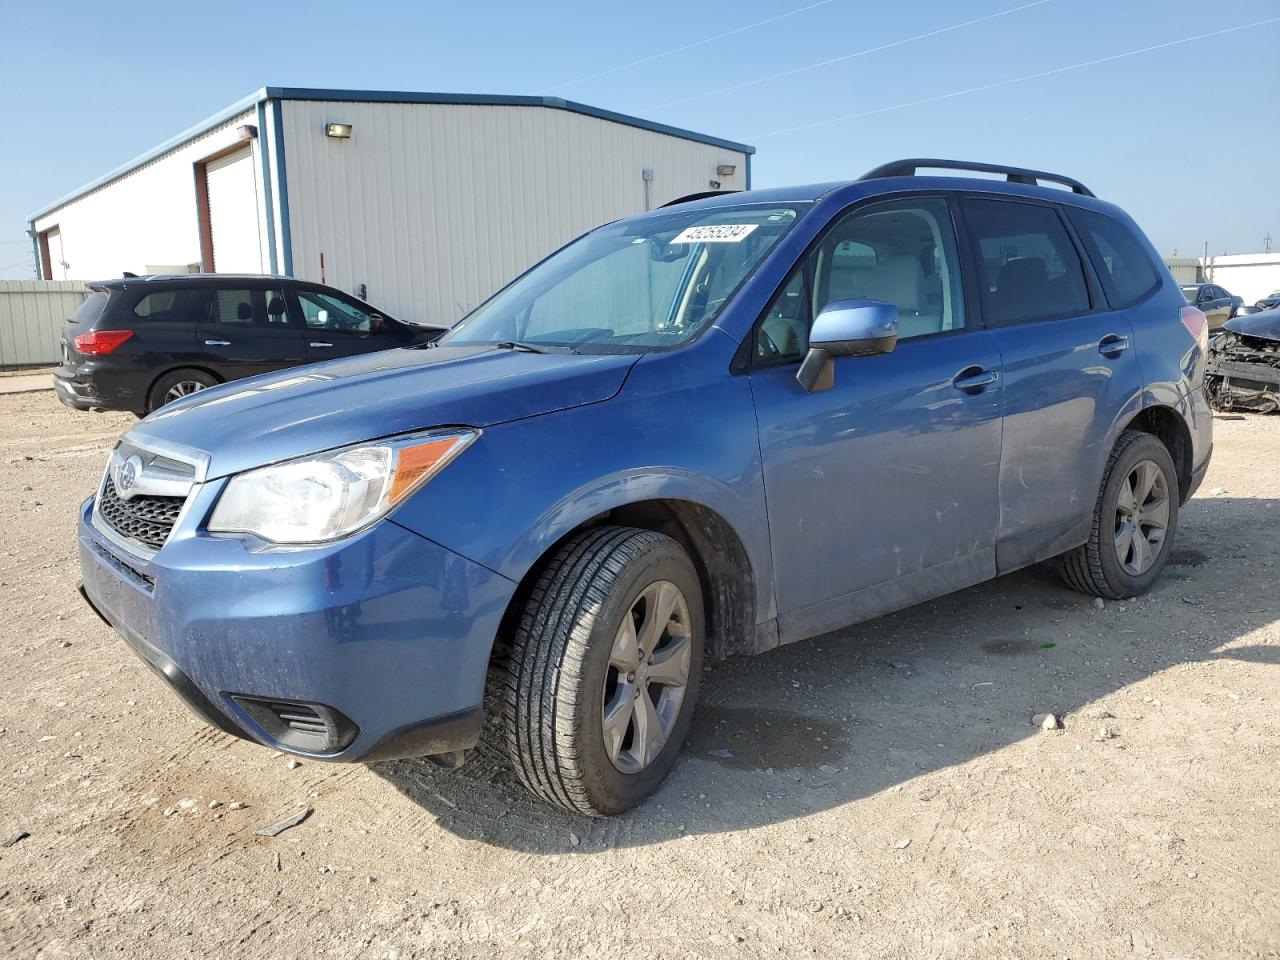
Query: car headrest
(898,280)
(1021,288)
(243,311)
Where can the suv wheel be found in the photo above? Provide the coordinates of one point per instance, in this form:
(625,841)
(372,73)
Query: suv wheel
(604,670)
(178,384)
(1134,522)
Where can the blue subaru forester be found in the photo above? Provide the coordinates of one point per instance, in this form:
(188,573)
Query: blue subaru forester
(732,423)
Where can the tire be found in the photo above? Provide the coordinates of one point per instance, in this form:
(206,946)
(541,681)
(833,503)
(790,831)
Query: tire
(161,390)
(563,673)
(1096,567)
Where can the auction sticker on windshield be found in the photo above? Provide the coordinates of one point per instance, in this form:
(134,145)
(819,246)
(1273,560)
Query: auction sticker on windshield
(715,233)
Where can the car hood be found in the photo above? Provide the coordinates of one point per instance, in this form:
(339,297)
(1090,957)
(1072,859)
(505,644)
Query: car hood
(1265,324)
(304,410)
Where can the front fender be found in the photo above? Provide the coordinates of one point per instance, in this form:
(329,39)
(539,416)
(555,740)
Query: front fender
(680,429)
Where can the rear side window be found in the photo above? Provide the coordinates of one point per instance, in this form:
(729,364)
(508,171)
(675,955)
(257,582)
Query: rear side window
(1119,257)
(249,308)
(1029,267)
(167,305)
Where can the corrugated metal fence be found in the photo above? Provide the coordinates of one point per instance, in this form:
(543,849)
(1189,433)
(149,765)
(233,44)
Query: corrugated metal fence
(1184,269)
(31,315)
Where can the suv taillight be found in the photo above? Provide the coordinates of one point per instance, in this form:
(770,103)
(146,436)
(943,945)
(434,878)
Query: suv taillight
(100,341)
(1197,325)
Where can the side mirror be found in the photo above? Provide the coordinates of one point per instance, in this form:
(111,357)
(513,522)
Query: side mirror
(377,322)
(846,328)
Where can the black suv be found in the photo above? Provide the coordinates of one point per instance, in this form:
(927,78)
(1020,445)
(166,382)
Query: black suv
(138,343)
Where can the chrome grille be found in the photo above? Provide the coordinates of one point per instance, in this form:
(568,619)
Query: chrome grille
(143,492)
(148,520)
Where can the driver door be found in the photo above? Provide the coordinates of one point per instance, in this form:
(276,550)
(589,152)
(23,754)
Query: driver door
(881,490)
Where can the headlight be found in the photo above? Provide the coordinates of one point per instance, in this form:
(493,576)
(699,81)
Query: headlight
(331,495)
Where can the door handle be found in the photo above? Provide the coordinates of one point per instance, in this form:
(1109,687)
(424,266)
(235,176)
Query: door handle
(217,343)
(1112,345)
(320,343)
(974,379)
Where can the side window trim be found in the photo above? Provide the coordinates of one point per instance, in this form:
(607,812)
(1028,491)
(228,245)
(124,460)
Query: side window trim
(972,317)
(1093,290)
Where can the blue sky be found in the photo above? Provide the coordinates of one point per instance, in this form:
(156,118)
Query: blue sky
(1185,137)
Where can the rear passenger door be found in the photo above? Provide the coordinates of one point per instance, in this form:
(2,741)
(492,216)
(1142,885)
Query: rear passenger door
(338,327)
(248,331)
(1070,372)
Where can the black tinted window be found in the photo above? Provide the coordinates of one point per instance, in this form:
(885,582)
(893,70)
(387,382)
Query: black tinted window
(1029,266)
(1121,260)
(167,305)
(246,308)
(91,309)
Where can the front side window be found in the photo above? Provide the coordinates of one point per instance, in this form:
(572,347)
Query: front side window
(1122,263)
(323,312)
(902,252)
(633,286)
(1029,267)
(249,308)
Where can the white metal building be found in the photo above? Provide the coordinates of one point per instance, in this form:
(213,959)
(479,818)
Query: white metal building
(423,203)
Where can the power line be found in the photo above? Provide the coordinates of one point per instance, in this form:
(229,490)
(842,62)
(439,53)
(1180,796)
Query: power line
(20,263)
(690,46)
(7,242)
(1006,83)
(848,56)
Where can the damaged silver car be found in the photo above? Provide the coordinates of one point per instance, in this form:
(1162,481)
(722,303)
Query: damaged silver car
(1244,364)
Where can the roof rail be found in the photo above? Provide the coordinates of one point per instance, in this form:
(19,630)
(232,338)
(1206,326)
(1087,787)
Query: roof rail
(689,198)
(908,168)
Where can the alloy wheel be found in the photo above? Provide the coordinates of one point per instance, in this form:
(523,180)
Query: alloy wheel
(183,388)
(647,677)
(1142,517)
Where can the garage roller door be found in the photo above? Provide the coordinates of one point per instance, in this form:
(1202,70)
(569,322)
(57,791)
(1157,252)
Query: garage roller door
(233,213)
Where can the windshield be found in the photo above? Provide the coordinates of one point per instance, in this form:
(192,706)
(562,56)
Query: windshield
(1190,293)
(632,286)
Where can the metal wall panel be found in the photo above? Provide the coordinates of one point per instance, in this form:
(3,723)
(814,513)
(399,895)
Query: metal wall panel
(147,215)
(31,316)
(434,207)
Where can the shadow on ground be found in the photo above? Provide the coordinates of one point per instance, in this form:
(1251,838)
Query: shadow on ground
(868,708)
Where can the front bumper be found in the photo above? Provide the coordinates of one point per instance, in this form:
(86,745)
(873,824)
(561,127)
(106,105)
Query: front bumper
(386,629)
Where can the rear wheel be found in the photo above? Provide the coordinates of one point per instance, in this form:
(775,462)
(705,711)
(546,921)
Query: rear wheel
(1134,522)
(177,384)
(604,670)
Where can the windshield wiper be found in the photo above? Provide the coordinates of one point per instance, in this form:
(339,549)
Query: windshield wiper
(519,345)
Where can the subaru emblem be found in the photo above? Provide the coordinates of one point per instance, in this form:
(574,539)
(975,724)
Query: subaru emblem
(127,476)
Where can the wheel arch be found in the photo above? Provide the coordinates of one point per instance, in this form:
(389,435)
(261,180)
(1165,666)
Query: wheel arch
(718,552)
(1169,427)
(171,370)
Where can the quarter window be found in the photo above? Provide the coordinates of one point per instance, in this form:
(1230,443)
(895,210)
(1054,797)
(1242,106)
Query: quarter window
(1123,265)
(902,252)
(1029,267)
(169,305)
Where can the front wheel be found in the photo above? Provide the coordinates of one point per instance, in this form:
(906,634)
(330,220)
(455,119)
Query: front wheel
(1134,522)
(604,670)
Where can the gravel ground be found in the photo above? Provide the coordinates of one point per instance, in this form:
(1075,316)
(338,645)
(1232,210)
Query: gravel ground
(879,792)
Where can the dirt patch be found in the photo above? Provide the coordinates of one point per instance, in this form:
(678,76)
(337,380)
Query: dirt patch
(878,792)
